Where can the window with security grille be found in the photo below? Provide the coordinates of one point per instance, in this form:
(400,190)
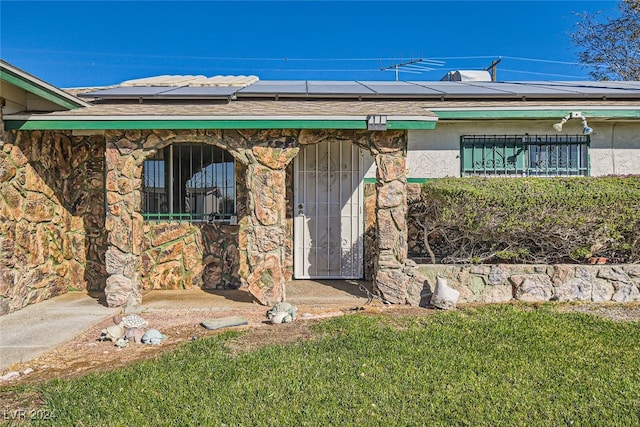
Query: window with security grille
(524,155)
(194,182)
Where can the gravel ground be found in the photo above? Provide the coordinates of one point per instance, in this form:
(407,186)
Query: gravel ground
(619,312)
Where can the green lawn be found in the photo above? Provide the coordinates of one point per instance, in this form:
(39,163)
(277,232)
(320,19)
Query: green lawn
(495,365)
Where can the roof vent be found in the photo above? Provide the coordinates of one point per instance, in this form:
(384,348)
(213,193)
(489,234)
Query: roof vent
(467,76)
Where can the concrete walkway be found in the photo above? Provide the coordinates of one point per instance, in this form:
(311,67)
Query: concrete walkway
(37,328)
(30,332)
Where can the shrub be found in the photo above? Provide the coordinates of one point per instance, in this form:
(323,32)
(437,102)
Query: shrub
(530,220)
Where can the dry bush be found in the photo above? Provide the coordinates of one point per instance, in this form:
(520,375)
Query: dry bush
(530,220)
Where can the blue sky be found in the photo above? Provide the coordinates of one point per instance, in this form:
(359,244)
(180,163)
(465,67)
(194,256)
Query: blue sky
(92,43)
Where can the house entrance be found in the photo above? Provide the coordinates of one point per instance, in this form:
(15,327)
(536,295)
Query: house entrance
(328,211)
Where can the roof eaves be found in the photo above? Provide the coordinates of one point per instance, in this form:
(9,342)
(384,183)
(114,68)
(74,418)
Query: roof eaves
(546,112)
(72,122)
(20,78)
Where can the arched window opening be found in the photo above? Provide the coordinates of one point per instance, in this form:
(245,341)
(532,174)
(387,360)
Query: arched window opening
(191,182)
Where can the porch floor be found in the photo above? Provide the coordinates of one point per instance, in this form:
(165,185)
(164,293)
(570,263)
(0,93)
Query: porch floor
(331,294)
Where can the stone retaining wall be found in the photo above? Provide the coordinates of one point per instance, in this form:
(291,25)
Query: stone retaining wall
(51,216)
(529,283)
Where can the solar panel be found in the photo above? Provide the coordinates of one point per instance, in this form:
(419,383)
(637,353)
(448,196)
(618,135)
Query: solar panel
(328,87)
(126,92)
(462,89)
(275,87)
(199,92)
(373,89)
(523,89)
(594,88)
(399,88)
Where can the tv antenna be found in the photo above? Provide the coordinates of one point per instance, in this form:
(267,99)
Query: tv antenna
(493,68)
(414,66)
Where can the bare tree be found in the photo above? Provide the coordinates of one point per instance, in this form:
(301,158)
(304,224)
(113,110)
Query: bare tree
(610,47)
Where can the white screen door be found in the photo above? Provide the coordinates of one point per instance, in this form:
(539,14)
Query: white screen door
(328,200)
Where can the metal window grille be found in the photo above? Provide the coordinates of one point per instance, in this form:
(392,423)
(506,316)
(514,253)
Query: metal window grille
(524,155)
(192,182)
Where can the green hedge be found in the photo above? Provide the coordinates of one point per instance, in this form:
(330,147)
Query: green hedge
(532,220)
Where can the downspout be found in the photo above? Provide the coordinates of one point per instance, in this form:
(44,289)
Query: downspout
(613,152)
(2,104)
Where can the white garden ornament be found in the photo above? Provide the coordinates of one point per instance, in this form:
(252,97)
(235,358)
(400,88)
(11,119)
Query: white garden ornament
(444,296)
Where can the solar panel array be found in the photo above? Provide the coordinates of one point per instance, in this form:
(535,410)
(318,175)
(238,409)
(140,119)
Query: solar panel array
(379,89)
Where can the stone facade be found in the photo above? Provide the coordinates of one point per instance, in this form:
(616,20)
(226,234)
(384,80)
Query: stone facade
(370,247)
(51,216)
(264,234)
(391,220)
(529,283)
(182,255)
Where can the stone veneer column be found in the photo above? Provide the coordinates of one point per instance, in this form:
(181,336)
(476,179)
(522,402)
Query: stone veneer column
(263,231)
(391,214)
(123,223)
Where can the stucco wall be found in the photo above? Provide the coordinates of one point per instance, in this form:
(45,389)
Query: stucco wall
(51,216)
(615,147)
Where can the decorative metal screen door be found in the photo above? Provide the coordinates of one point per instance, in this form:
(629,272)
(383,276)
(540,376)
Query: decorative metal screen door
(328,199)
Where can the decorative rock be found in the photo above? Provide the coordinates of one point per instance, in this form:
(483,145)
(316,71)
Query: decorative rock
(391,194)
(391,167)
(118,290)
(500,293)
(274,158)
(392,285)
(614,274)
(10,375)
(479,269)
(532,287)
(388,141)
(561,274)
(625,292)
(282,312)
(574,290)
(497,275)
(117,262)
(266,282)
(224,322)
(601,291)
(153,336)
(632,270)
(7,171)
(444,296)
